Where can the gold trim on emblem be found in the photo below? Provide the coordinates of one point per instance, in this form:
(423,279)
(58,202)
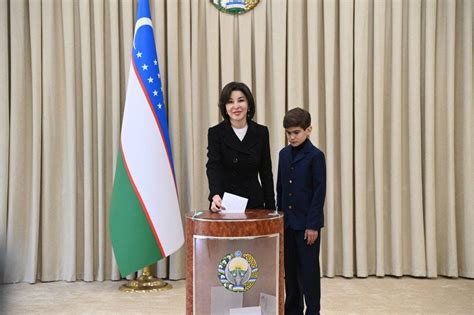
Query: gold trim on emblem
(235,6)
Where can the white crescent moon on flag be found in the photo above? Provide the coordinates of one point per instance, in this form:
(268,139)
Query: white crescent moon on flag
(141,22)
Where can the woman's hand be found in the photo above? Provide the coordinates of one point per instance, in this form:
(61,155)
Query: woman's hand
(216,205)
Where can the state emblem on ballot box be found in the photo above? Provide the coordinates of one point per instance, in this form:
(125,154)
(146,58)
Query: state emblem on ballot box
(238,271)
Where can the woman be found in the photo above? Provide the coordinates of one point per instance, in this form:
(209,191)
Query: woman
(239,152)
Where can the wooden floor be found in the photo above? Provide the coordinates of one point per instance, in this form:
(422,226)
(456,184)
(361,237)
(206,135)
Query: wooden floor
(339,296)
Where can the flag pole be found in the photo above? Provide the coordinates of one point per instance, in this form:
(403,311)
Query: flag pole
(147,282)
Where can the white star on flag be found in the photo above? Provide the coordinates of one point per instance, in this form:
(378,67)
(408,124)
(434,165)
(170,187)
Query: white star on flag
(150,80)
(145,67)
(139,54)
(155,93)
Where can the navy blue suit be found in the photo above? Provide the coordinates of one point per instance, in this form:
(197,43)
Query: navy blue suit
(301,190)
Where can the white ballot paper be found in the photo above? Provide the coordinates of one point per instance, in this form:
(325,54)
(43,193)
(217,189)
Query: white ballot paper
(222,300)
(233,203)
(268,303)
(253,310)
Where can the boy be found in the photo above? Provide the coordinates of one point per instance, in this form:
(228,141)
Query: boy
(301,190)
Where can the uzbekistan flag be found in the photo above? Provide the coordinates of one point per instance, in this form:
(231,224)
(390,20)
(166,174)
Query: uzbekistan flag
(145,220)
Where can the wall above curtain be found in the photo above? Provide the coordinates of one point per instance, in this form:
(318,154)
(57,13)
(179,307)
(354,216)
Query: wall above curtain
(389,84)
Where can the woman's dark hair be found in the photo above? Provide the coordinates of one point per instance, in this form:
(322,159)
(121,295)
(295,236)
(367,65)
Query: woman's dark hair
(297,117)
(225,95)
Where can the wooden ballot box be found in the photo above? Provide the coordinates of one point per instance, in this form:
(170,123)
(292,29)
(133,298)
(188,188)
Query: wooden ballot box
(234,263)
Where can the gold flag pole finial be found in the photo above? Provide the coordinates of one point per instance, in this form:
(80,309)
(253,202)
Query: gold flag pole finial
(146,283)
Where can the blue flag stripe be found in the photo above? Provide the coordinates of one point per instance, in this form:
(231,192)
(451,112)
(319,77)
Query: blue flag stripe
(146,63)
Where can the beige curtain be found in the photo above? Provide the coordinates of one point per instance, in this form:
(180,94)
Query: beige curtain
(389,84)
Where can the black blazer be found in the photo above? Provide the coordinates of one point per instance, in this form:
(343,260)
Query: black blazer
(234,166)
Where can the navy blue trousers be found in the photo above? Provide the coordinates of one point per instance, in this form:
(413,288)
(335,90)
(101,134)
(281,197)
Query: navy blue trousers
(302,278)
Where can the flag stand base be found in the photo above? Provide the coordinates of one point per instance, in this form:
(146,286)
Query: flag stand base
(146,283)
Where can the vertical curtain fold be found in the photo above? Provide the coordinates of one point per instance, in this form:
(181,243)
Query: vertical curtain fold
(259,54)
(329,245)
(445,203)
(344,141)
(464,136)
(415,184)
(86,186)
(179,97)
(4,127)
(277,26)
(58,167)
(395,140)
(379,69)
(429,141)
(22,235)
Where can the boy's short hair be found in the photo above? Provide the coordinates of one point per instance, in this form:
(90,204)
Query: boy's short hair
(297,117)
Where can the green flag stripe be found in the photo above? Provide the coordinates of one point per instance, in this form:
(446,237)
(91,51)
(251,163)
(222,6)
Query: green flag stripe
(133,240)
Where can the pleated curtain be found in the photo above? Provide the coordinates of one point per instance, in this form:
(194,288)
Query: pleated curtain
(389,85)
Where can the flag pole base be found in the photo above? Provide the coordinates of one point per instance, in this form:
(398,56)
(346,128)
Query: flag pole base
(146,283)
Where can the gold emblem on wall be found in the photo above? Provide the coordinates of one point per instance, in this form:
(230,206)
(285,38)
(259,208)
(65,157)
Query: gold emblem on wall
(235,6)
